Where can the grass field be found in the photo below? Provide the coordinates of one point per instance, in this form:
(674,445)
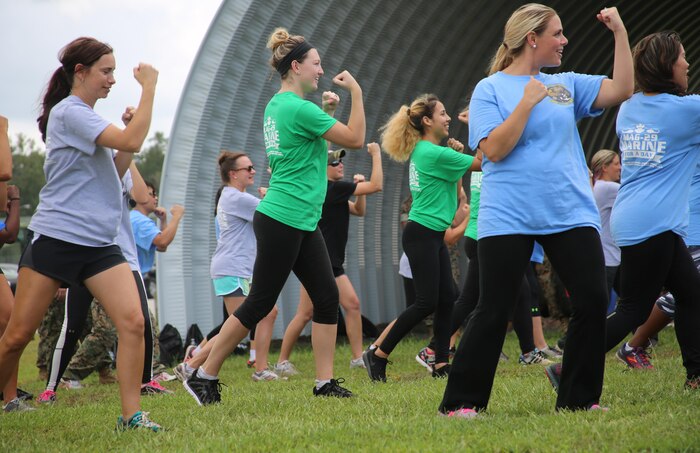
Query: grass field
(649,410)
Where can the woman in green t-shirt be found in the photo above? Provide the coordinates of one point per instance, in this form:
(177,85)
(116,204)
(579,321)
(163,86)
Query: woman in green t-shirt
(285,223)
(435,174)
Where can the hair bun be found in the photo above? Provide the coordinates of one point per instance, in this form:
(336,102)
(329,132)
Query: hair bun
(277,38)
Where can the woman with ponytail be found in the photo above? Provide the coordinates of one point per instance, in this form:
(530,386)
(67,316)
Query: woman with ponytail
(286,220)
(535,187)
(605,166)
(83,182)
(435,173)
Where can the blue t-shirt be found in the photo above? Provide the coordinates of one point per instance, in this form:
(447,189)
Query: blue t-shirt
(542,186)
(660,147)
(693,238)
(81,202)
(145,231)
(537,253)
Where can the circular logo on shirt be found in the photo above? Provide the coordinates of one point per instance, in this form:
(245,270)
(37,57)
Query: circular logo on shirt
(559,94)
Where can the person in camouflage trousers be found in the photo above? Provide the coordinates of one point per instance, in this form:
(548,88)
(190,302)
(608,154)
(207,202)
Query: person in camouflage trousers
(49,331)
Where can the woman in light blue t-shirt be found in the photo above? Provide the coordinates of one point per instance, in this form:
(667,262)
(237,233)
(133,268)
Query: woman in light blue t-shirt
(83,182)
(535,187)
(659,131)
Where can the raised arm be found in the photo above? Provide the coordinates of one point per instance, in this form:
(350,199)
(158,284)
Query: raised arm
(618,89)
(139,191)
(351,135)
(376,178)
(133,135)
(5,151)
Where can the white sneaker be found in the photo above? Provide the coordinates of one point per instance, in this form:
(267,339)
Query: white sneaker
(286,368)
(70,384)
(357,363)
(264,375)
(181,372)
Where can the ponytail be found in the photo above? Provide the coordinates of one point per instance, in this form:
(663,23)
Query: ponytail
(405,128)
(58,89)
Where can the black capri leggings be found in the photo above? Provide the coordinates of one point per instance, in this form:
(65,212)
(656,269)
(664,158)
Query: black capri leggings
(435,289)
(78,301)
(662,261)
(283,249)
(577,256)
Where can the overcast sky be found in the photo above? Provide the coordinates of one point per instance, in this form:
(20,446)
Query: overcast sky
(164,33)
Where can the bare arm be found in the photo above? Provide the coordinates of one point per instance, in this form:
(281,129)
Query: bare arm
(5,152)
(168,229)
(376,181)
(453,234)
(132,136)
(351,135)
(9,234)
(139,192)
(359,206)
(621,87)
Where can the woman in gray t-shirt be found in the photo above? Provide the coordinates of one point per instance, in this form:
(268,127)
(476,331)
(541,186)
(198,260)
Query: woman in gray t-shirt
(76,222)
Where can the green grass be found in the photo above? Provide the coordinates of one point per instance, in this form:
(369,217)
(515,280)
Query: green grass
(650,410)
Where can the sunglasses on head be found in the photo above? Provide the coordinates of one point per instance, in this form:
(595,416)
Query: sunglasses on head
(335,163)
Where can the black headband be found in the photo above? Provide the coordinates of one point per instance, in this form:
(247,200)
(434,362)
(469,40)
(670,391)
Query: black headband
(295,54)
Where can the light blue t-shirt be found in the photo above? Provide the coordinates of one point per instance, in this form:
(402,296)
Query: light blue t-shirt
(235,251)
(537,253)
(693,238)
(125,238)
(145,231)
(81,202)
(542,186)
(660,147)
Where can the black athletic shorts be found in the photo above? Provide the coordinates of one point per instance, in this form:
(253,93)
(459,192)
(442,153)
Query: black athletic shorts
(69,263)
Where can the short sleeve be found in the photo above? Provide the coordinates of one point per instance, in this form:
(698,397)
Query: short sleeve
(245,206)
(586,89)
(340,192)
(83,126)
(145,231)
(484,114)
(127,182)
(312,121)
(452,164)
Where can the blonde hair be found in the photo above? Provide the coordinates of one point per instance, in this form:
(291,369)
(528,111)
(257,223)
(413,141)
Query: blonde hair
(531,17)
(405,128)
(601,159)
(281,43)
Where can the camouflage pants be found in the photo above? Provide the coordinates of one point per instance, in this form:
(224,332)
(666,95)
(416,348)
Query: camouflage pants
(49,331)
(94,351)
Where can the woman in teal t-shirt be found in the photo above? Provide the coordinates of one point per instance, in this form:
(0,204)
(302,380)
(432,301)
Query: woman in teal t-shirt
(285,223)
(435,174)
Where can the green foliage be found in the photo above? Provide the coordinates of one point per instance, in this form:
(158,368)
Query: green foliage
(27,171)
(649,411)
(150,160)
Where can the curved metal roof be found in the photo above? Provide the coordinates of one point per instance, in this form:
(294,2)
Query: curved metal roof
(396,50)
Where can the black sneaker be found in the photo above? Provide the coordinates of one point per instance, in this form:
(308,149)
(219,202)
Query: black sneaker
(441,372)
(376,366)
(553,373)
(204,391)
(333,388)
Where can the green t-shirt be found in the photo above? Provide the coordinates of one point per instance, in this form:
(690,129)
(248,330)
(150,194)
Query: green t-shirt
(475,195)
(298,156)
(432,175)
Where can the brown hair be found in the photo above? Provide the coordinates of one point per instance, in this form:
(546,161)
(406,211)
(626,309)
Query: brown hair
(531,17)
(405,128)
(84,51)
(227,162)
(281,43)
(654,57)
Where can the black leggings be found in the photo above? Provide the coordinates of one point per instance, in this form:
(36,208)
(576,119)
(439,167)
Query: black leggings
(522,319)
(577,256)
(283,249)
(435,288)
(78,301)
(662,261)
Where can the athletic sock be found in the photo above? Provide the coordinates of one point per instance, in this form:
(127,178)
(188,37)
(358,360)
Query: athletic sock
(196,350)
(628,348)
(202,375)
(321,382)
(188,368)
(252,355)
(372,347)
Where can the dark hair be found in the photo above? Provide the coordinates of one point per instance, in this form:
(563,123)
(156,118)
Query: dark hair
(654,57)
(216,199)
(227,162)
(150,185)
(84,51)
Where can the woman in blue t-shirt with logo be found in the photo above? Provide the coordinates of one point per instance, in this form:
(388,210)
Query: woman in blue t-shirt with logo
(535,187)
(658,130)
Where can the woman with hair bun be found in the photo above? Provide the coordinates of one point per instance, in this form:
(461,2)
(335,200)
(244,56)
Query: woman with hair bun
(83,182)
(659,132)
(286,220)
(535,188)
(435,173)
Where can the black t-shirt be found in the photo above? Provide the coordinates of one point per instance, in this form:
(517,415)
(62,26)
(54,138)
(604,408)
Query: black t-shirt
(335,219)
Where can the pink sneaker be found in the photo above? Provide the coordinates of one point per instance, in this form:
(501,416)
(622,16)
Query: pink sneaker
(46,397)
(465,412)
(154,388)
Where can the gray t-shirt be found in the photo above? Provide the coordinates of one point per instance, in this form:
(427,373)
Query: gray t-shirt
(605,193)
(125,238)
(81,202)
(236,248)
